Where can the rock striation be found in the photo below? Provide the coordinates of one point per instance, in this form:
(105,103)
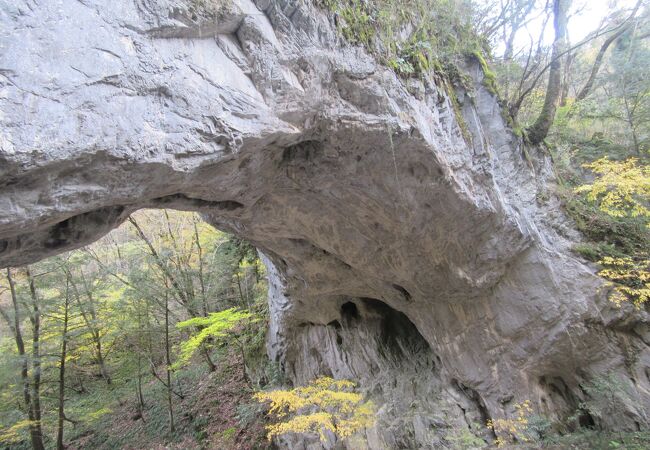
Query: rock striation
(412,242)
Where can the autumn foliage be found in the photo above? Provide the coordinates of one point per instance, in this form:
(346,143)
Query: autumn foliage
(324,405)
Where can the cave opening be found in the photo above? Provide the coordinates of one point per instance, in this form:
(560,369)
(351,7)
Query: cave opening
(349,312)
(165,306)
(395,336)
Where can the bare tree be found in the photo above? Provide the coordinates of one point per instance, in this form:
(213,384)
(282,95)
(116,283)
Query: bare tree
(625,26)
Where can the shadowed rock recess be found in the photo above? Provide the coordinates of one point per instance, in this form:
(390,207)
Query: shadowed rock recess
(410,247)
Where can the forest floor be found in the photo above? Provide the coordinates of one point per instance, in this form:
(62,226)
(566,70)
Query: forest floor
(216,412)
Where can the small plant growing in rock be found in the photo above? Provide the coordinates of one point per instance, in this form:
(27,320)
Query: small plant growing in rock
(464,439)
(515,429)
(324,405)
(630,279)
(607,395)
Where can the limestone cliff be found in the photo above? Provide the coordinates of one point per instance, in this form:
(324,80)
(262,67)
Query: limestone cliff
(410,241)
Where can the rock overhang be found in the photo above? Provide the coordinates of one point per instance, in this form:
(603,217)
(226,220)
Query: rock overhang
(260,119)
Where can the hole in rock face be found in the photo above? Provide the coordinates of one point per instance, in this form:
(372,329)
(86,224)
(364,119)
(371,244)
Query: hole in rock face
(561,399)
(75,228)
(170,201)
(586,420)
(302,151)
(349,311)
(396,333)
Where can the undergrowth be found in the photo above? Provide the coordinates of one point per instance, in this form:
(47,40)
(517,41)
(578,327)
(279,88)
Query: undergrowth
(619,243)
(413,37)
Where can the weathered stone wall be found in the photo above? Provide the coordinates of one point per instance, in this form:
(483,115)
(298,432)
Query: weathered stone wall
(432,266)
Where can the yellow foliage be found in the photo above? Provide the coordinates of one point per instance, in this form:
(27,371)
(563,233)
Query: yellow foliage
(509,430)
(13,434)
(630,279)
(95,415)
(622,188)
(323,405)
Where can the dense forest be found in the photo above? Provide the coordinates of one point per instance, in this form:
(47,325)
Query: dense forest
(154,336)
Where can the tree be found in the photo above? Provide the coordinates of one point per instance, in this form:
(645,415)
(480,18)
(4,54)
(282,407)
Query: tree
(214,327)
(112,308)
(621,188)
(630,101)
(64,348)
(88,310)
(35,319)
(35,429)
(537,132)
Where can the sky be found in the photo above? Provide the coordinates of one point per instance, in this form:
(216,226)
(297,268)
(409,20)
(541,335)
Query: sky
(586,16)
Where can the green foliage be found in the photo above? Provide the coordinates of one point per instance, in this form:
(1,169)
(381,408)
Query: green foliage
(215,327)
(412,37)
(597,440)
(612,211)
(607,395)
(609,236)
(538,428)
(489,77)
(619,244)
(120,293)
(14,434)
(464,439)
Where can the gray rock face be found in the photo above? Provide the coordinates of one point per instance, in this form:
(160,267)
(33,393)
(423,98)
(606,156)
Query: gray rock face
(428,262)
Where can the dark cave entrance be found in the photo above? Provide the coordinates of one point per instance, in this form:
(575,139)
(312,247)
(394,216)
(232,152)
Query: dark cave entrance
(394,334)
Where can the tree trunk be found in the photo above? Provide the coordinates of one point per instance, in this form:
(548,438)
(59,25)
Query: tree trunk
(183,296)
(199,250)
(168,364)
(597,64)
(90,324)
(100,359)
(34,432)
(64,343)
(36,363)
(566,78)
(212,367)
(539,130)
(138,388)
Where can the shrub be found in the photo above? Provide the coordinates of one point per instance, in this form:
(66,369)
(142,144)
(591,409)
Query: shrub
(325,405)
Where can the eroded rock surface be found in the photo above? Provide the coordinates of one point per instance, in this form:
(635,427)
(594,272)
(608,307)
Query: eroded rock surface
(414,248)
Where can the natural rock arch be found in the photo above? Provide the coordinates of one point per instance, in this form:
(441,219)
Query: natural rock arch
(353,187)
